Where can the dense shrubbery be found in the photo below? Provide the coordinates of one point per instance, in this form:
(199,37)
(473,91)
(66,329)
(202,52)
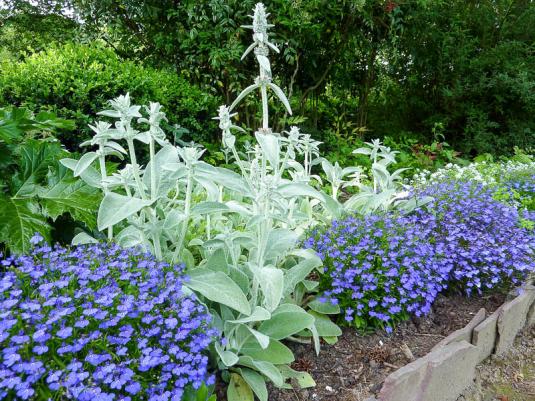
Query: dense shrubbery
(98,323)
(76,80)
(381,267)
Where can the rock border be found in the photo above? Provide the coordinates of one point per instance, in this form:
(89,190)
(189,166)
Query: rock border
(449,368)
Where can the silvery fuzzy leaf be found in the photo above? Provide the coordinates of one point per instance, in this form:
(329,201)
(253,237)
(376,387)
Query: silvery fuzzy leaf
(299,272)
(129,237)
(278,242)
(244,93)
(165,177)
(203,208)
(270,145)
(173,219)
(286,321)
(259,314)
(266,368)
(116,146)
(143,137)
(362,151)
(83,238)
(262,339)
(90,176)
(85,161)
(280,94)
(248,50)
(256,381)
(114,208)
(228,358)
(225,177)
(218,287)
(263,61)
(276,352)
(304,380)
(272,284)
(209,186)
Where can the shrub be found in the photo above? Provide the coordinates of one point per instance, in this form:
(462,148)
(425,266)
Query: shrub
(74,80)
(379,268)
(98,322)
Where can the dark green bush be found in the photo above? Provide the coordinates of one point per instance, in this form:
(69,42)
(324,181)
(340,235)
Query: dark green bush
(73,80)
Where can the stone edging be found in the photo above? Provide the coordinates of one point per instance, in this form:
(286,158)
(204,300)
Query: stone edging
(445,372)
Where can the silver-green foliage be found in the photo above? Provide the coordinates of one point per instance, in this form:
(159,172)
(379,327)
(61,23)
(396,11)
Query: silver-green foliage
(238,233)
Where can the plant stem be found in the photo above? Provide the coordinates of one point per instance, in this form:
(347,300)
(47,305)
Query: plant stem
(103,174)
(187,207)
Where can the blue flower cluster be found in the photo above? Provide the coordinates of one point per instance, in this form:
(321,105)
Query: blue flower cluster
(98,323)
(479,238)
(381,268)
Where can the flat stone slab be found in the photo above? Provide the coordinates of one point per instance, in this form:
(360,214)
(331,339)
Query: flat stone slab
(512,319)
(484,335)
(464,334)
(441,375)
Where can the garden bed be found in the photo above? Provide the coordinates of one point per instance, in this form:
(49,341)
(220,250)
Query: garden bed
(354,368)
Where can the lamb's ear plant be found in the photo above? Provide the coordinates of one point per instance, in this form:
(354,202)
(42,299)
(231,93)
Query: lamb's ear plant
(238,233)
(385,191)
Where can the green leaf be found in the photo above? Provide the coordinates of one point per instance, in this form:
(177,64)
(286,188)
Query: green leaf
(209,207)
(256,382)
(276,352)
(238,389)
(85,161)
(303,378)
(259,314)
(272,284)
(90,176)
(299,272)
(35,160)
(83,238)
(279,241)
(284,324)
(64,194)
(115,208)
(229,358)
(218,287)
(326,308)
(271,147)
(20,219)
(266,368)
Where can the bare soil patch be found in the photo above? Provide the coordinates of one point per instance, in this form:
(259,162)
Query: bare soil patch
(354,368)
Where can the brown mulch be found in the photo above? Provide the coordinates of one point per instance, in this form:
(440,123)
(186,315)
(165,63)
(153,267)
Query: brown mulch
(355,367)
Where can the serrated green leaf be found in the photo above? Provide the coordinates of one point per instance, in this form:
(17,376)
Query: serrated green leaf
(20,219)
(64,194)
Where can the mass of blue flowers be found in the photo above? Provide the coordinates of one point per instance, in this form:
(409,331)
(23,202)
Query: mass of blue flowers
(381,268)
(98,323)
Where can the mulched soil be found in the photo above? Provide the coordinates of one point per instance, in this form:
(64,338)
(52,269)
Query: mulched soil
(354,368)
